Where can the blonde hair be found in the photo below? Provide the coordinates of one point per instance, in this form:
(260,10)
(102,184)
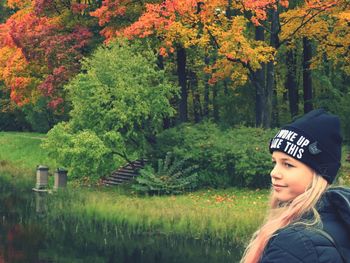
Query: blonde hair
(281,215)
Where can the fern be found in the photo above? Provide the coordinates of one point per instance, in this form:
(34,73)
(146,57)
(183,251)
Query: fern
(171,177)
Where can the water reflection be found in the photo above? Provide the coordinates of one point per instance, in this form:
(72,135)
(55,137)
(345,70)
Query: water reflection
(28,236)
(40,203)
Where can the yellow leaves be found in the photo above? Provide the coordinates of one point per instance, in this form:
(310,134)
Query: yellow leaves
(21,4)
(344,16)
(6,54)
(238,51)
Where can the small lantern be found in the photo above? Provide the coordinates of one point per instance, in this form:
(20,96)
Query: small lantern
(42,173)
(60,178)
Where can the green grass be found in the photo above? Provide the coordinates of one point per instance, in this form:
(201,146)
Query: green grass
(229,215)
(21,151)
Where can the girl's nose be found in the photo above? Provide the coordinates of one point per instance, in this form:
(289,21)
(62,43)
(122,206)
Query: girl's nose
(275,172)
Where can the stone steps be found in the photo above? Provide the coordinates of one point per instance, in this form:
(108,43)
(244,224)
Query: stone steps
(125,173)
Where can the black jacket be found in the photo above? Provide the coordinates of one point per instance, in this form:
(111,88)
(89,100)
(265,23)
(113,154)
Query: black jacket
(303,244)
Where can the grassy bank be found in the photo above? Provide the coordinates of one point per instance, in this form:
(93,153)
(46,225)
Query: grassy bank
(229,215)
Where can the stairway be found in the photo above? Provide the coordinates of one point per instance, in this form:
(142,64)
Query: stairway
(125,173)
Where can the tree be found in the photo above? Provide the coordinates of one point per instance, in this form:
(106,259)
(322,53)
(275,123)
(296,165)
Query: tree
(187,24)
(323,24)
(118,107)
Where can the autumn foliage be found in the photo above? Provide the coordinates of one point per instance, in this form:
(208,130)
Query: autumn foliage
(42,43)
(39,54)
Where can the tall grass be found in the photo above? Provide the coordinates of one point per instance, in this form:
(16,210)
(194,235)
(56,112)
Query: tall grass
(225,216)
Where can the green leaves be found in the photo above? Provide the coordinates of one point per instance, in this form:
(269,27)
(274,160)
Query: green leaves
(230,157)
(119,100)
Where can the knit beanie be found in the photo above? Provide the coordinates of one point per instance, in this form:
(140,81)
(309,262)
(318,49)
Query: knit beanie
(313,139)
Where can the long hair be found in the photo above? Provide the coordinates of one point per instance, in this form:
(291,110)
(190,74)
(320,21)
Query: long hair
(282,214)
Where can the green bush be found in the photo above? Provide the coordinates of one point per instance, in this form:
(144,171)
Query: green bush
(230,157)
(83,152)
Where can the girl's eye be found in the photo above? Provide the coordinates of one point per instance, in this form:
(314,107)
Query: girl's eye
(288,165)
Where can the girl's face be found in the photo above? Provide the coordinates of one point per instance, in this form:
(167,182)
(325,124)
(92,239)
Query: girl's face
(289,176)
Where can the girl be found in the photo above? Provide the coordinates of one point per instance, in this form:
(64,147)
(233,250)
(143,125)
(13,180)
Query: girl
(307,221)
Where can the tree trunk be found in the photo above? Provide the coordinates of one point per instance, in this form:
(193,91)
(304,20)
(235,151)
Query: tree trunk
(215,103)
(270,78)
(291,83)
(181,72)
(307,79)
(229,10)
(160,64)
(193,86)
(206,91)
(259,77)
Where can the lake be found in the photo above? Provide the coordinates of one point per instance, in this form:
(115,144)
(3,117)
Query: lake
(28,235)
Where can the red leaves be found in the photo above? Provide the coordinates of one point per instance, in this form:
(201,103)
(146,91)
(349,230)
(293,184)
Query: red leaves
(260,8)
(158,18)
(78,8)
(52,54)
(43,6)
(109,10)
(55,103)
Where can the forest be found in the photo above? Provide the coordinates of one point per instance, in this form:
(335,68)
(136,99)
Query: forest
(116,80)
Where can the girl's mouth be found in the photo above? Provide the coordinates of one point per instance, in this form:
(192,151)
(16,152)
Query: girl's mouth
(278,187)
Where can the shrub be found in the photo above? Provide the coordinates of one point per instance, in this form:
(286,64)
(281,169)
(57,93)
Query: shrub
(83,152)
(230,157)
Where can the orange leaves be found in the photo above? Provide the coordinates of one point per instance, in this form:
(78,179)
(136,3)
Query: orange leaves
(19,85)
(326,22)
(111,16)
(39,55)
(237,52)
(157,19)
(320,4)
(165,20)
(15,73)
(19,3)
(205,25)
(344,16)
(259,9)
(183,22)
(151,22)
(109,10)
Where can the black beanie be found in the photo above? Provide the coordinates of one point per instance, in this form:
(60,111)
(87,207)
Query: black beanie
(313,139)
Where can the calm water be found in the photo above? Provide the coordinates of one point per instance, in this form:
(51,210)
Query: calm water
(28,236)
